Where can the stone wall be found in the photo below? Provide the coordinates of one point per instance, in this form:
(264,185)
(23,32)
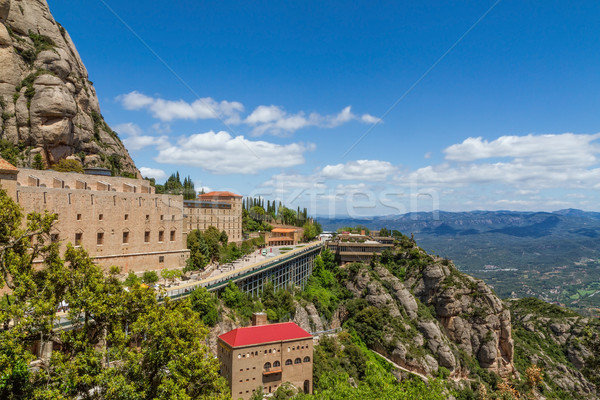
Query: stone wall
(73,180)
(132,230)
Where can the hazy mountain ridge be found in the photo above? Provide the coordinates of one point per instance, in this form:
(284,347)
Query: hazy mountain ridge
(550,255)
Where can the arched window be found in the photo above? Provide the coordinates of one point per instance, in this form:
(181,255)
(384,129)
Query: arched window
(267,365)
(276,364)
(307,359)
(297,361)
(288,362)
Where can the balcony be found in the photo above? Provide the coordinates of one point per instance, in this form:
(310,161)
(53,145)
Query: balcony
(271,371)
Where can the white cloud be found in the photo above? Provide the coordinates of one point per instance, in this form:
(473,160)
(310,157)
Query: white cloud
(529,178)
(547,150)
(136,140)
(276,121)
(155,173)
(264,119)
(265,114)
(221,153)
(369,170)
(533,162)
(169,110)
(161,128)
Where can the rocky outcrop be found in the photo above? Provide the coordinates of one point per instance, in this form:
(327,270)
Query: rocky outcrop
(472,316)
(435,315)
(47,102)
(557,339)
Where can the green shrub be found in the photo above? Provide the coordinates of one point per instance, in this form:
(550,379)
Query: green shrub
(206,304)
(66,165)
(150,277)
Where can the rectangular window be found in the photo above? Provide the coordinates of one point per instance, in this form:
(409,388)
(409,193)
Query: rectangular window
(162,217)
(100,217)
(125,237)
(126,217)
(161,236)
(78,217)
(100,238)
(161,259)
(147,217)
(54,237)
(78,237)
(172,236)
(147,237)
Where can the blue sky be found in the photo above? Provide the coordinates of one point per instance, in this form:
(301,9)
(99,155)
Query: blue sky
(268,98)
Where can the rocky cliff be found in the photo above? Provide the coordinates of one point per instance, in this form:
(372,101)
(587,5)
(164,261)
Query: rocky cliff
(48,104)
(420,312)
(558,340)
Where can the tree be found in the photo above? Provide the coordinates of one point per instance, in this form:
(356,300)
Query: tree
(66,165)
(174,363)
(161,348)
(311,230)
(384,232)
(150,277)
(132,280)
(38,162)
(206,305)
(199,251)
(170,274)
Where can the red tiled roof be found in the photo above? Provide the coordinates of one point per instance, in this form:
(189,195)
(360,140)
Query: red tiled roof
(6,166)
(217,194)
(264,334)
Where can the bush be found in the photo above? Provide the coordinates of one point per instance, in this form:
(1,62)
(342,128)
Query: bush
(65,165)
(206,304)
(132,280)
(150,277)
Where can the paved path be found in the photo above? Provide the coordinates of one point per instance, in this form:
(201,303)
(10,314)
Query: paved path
(423,377)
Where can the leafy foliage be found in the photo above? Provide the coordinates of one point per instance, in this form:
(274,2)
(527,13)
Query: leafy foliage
(147,339)
(38,162)
(206,305)
(173,185)
(11,152)
(68,165)
(324,288)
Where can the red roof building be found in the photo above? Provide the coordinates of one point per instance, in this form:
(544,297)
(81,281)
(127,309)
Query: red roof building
(218,195)
(253,335)
(283,237)
(266,356)
(5,166)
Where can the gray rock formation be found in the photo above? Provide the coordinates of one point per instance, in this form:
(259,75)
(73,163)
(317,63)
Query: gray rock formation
(471,315)
(48,105)
(555,338)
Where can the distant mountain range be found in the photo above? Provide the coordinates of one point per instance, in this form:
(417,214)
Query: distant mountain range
(551,255)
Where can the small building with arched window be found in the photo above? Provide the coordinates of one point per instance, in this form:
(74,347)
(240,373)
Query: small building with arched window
(266,355)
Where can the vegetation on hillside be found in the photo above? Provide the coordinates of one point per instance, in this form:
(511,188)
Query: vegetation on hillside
(258,216)
(211,245)
(173,185)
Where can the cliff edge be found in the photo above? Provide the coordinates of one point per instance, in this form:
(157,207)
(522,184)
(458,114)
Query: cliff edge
(48,104)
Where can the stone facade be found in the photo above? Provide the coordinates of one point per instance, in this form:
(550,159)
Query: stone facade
(286,355)
(223,210)
(283,237)
(119,221)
